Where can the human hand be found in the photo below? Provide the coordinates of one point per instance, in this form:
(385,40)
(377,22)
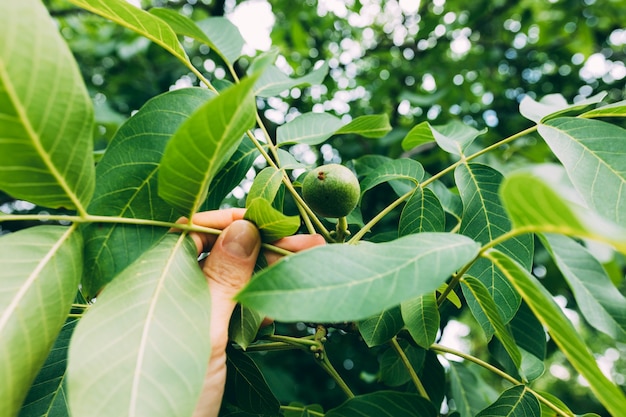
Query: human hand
(228,268)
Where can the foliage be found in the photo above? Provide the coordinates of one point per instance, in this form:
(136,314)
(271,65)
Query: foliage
(429,241)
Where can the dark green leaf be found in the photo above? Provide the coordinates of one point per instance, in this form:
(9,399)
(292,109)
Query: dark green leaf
(313,285)
(393,371)
(514,402)
(244,325)
(469,391)
(385,404)
(422,213)
(381,327)
(301,410)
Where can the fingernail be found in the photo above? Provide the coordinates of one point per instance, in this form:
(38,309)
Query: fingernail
(241,239)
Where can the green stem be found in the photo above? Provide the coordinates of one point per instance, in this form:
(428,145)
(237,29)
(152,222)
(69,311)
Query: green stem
(407,364)
(328,367)
(444,349)
(263,347)
(301,409)
(342,230)
(296,341)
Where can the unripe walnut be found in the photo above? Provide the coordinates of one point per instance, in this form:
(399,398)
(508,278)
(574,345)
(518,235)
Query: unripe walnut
(331,190)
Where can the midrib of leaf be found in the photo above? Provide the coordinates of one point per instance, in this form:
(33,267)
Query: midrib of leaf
(32,278)
(36,140)
(482,202)
(146,330)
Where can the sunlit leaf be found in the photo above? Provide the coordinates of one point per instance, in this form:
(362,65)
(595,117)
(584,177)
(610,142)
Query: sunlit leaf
(203,144)
(381,327)
(468,390)
(385,404)
(246,387)
(549,412)
(561,331)
(593,154)
(422,213)
(484,219)
(553,105)
(421,317)
(265,185)
(369,126)
(272,224)
(611,110)
(126,186)
(125,14)
(407,170)
(488,306)
(602,305)
(308,128)
(143,347)
(375,276)
(393,371)
(419,135)
(274,81)
(516,401)
(41,268)
(455,137)
(47,116)
(47,395)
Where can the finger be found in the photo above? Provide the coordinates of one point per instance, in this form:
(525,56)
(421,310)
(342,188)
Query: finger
(295,243)
(215,219)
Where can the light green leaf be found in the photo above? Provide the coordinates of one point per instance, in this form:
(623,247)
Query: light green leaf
(263,60)
(265,185)
(274,81)
(125,14)
(419,135)
(407,170)
(488,306)
(375,276)
(47,396)
(553,105)
(611,110)
(181,24)
(561,330)
(246,387)
(602,305)
(393,371)
(516,401)
(484,219)
(369,126)
(143,347)
(549,412)
(272,224)
(468,390)
(41,268)
(385,404)
(593,154)
(47,116)
(534,206)
(126,186)
(455,137)
(421,317)
(422,213)
(381,327)
(308,128)
(202,145)
(244,326)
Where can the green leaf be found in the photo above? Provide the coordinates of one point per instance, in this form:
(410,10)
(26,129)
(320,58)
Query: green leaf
(488,306)
(484,219)
(468,390)
(308,128)
(516,401)
(143,347)
(126,186)
(384,275)
(393,371)
(611,110)
(272,224)
(231,175)
(219,33)
(419,135)
(244,326)
(549,412)
(300,410)
(404,169)
(593,154)
(533,205)
(266,184)
(274,81)
(47,395)
(553,105)
(455,137)
(561,330)
(125,14)
(422,213)
(41,268)
(381,327)
(246,387)
(602,305)
(385,404)
(202,144)
(47,116)
(369,126)
(421,317)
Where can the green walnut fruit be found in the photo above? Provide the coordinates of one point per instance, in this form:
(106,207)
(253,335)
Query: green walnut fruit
(331,190)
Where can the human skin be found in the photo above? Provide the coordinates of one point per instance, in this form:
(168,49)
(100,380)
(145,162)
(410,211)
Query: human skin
(228,269)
